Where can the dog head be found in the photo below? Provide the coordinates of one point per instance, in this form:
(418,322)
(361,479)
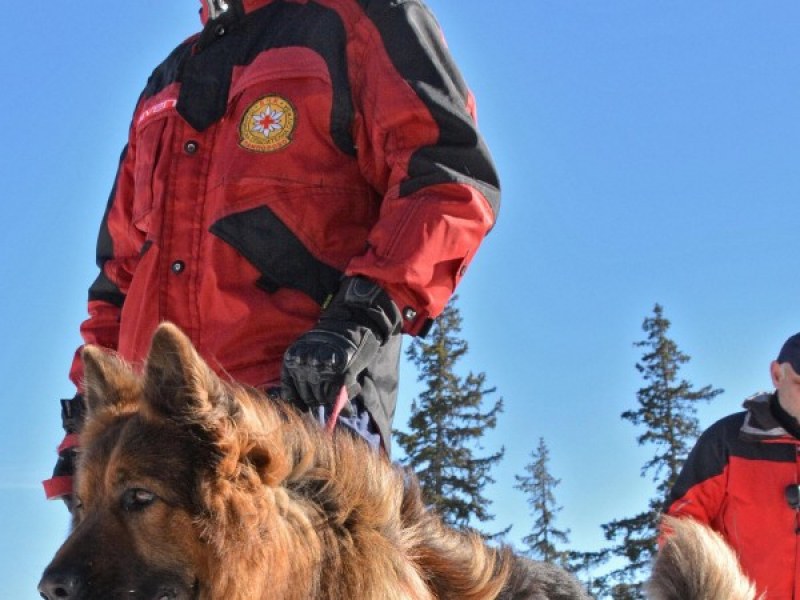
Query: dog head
(172,479)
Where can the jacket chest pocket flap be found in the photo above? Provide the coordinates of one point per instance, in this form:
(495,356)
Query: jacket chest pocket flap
(151,168)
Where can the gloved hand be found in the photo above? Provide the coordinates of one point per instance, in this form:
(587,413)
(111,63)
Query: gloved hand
(60,485)
(342,346)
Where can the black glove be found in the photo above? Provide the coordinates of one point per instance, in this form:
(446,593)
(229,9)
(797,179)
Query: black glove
(342,346)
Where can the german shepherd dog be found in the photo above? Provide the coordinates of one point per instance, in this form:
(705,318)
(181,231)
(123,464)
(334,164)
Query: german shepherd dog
(192,488)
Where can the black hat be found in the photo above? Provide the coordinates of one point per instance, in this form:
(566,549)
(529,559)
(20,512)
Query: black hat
(790,353)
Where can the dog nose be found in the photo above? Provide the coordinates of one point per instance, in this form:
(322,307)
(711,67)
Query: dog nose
(59,586)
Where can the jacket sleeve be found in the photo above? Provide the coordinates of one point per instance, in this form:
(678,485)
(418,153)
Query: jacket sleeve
(118,249)
(699,491)
(106,296)
(419,146)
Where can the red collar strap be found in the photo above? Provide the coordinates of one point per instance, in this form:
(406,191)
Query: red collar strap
(61,485)
(71,440)
(57,487)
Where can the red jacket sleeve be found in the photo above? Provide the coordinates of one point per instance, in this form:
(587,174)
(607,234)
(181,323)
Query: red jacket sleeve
(118,248)
(115,258)
(419,146)
(700,488)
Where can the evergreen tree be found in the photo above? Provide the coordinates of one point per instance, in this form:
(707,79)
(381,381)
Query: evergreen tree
(583,565)
(539,486)
(667,408)
(446,424)
(626,591)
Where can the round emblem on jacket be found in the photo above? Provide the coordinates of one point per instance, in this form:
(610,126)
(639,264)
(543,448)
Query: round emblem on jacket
(267,125)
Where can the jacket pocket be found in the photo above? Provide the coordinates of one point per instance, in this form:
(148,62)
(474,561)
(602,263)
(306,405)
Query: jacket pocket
(280,257)
(150,172)
(279,64)
(285,112)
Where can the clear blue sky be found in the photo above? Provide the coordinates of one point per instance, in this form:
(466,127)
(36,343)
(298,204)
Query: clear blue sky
(648,153)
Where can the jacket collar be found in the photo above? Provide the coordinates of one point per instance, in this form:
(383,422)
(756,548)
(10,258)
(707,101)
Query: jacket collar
(237,6)
(760,423)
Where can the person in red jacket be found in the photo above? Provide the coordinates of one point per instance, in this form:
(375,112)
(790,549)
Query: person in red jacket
(742,479)
(303,182)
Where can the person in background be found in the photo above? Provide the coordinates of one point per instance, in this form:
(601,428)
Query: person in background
(303,182)
(743,480)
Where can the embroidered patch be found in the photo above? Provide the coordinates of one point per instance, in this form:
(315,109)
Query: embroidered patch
(267,125)
(156,110)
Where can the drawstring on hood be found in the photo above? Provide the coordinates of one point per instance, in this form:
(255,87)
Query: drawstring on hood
(211,9)
(229,10)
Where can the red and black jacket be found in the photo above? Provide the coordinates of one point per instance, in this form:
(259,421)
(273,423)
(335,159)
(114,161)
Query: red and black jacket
(289,143)
(735,481)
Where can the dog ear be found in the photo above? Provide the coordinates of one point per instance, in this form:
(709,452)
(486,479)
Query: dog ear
(179,385)
(107,380)
(177,382)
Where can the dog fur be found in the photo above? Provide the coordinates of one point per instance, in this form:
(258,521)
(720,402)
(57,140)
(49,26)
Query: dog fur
(191,488)
(696,563)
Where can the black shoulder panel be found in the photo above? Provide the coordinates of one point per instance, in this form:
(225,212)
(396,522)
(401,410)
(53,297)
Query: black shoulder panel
(414,43)
(167,72)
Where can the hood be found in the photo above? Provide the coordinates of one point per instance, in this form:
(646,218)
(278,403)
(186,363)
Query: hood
(760,423)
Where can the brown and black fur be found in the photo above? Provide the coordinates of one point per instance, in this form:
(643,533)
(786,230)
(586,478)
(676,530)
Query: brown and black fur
(191,488)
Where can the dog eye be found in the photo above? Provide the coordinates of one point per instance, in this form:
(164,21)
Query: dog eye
(137,499)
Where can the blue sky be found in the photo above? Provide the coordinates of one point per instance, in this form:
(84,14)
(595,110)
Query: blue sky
(648,153)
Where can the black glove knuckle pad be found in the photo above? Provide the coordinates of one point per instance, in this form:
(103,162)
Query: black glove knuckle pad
(342,346)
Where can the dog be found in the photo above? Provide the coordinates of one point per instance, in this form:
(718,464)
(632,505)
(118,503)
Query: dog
(189,487)
(695,563)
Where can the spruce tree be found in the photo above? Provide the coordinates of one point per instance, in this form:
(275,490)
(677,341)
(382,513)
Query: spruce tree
(447,422)
(539,487)
(667,409)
